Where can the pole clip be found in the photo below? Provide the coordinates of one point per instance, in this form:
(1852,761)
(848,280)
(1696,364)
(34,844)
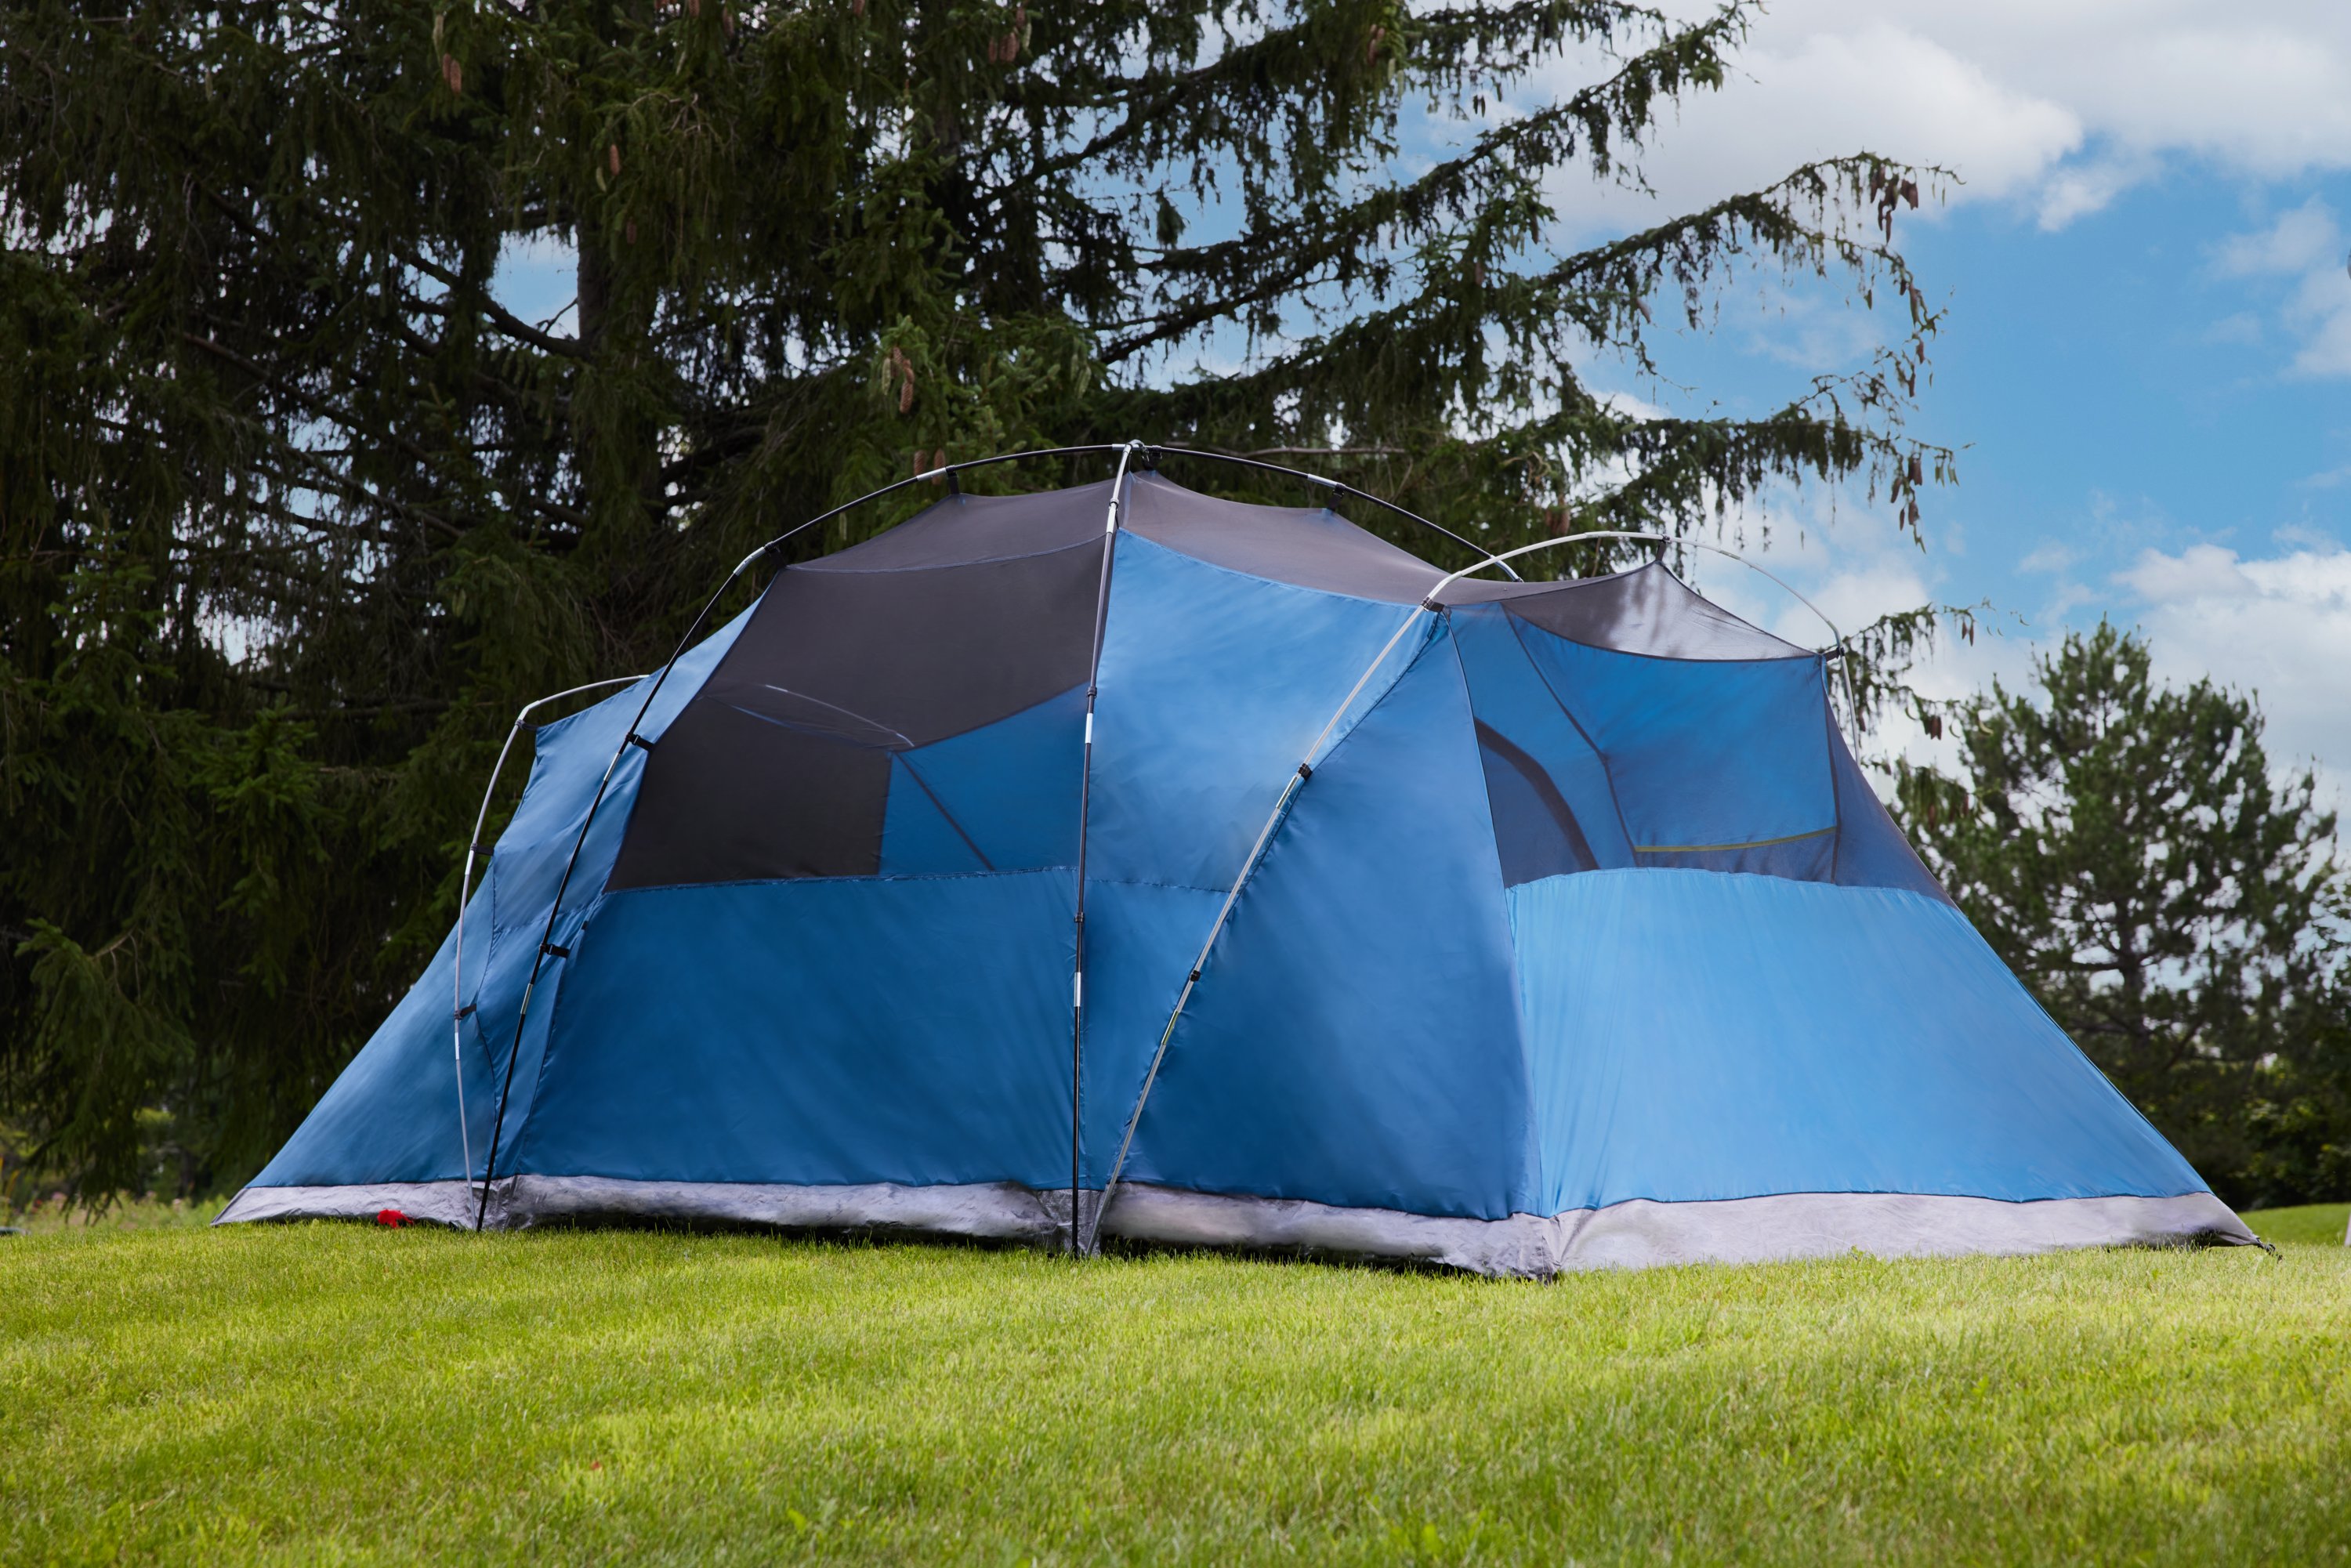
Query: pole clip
(462,1013)
(482,849)
(552,951)
(639,740)
(1305,771)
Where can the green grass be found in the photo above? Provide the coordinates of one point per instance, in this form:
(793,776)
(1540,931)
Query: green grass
(2318,1223)
(341,1393)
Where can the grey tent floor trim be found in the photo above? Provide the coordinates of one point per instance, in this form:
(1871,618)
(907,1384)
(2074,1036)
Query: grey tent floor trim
(998,1210)
(1642,1234)
(436,1202)
(1633,1235)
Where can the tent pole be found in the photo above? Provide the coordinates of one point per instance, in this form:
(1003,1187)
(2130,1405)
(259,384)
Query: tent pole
(1085,797)
(563,884)
(1290,789)
(475,847)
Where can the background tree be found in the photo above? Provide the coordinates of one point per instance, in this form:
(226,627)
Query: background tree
(2124,847)
(294,512)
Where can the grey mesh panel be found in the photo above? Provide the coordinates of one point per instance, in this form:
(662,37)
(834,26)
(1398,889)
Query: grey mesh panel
(1645,610)
(1309,547)
(1536,831)
(962,529)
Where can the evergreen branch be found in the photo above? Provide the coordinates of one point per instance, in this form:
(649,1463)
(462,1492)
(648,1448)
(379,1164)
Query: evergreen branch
(497,315)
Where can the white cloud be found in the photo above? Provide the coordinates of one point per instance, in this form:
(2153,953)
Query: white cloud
(1802,91)
(2322,307)
(2278,625)
(2077,190)
(2299,240)
(2242,328)
(2059,108)
(2306,244)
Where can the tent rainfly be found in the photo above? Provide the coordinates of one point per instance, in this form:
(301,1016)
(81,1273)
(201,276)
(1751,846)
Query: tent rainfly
(1118,862)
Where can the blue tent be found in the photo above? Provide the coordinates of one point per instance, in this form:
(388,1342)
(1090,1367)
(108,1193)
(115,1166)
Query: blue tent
(1234,863)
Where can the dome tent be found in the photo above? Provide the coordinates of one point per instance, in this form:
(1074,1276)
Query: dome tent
(1233,862)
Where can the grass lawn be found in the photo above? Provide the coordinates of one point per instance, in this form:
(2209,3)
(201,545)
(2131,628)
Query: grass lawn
(341,1393)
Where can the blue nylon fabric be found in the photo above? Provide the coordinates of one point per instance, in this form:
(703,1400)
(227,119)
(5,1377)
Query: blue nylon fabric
(1871,851)
(1213,684)
(1140,943)
(1353,1039)
(392,1114)
(1699,1036)
(1011,789)
(903,1030)
(1703,753)
(1510,694)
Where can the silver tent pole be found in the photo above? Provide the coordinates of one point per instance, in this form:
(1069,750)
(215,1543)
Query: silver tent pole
(1085,792)
(1305,771)
(474,847)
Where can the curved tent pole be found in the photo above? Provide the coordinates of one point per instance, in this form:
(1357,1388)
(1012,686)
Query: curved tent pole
(475,847)
(1305,771)
(1085,791)
(555,910)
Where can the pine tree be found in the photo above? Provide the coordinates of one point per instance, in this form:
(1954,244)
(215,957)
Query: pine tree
(2124,847)
(294,513)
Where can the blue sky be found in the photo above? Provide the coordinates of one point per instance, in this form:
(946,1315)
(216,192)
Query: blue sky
(2146,417)
(2147,354)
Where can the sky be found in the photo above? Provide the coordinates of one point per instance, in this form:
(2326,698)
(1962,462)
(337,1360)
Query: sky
(2147,356)
(2145,362)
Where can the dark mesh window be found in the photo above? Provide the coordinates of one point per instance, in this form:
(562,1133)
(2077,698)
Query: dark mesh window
(783,765)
